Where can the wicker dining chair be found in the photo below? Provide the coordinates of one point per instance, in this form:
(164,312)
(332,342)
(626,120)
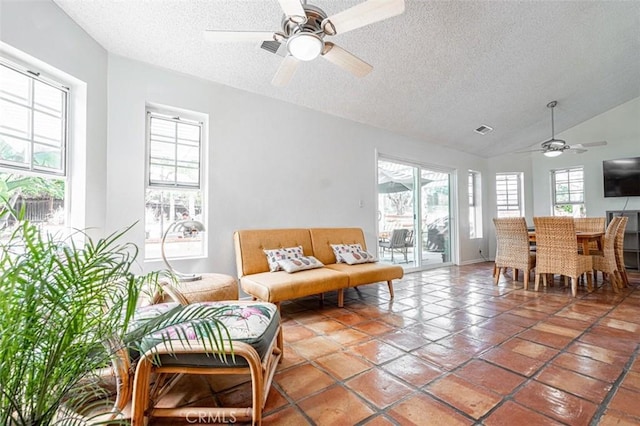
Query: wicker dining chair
(619,249)
(605,261)
(557,252)
(590,224)
(512,249)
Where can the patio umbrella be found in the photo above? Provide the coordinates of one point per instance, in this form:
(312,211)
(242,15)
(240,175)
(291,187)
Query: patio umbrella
(391,183)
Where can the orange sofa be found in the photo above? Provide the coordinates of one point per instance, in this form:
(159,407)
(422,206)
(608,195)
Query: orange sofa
(257,281)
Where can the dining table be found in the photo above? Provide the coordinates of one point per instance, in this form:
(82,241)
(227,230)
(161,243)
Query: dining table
(583,238)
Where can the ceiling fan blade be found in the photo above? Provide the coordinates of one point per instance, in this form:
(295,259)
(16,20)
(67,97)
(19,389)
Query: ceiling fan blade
(215,36)
(293,8)
(573,150)
(345,60)
(286,71)
(531,150)
(362,14)
(588,145)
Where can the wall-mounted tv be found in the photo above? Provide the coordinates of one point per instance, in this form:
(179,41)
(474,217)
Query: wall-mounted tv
(621,177)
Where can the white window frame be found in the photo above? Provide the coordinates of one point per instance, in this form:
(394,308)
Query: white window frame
(475,204)
(555,204)
(32,168)
(31,69)
(174,185)
(513,205)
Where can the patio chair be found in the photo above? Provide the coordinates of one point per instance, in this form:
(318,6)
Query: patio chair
(398,242)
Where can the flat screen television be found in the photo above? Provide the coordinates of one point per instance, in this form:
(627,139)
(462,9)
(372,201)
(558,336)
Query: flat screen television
(621,177)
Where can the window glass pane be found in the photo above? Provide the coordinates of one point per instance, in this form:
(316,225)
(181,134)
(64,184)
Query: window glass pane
(575,186)
(32,123)
(189,134)
(15,119)
(174,153)
(163,211)
(14,86)
(163,128)
(47,157)
(160,173)
(43,199)
(575,174)
(14,152)
(187,176)
(164,153)
(47,128)
(48,99)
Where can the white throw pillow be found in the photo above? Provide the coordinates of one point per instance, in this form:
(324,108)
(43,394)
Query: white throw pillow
(300,264)
(274,255)
(357,256)
(339,249)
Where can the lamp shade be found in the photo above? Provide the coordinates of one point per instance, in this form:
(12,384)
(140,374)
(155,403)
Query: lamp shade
(186,226)
(305,46)
(552,152)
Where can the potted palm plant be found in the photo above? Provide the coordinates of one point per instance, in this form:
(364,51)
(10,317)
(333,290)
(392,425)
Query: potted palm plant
(60,301)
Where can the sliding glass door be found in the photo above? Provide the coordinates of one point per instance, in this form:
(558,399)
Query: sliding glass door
(414,215)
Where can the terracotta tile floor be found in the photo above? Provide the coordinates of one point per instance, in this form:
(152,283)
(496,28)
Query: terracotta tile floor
(452,348)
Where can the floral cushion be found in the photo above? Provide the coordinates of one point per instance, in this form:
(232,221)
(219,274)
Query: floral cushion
(300,264)
(255,323)
(273,256)
(357,256)
(339,249)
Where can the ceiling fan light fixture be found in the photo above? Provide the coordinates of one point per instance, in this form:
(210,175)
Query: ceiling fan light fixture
(305,46)
(552,153)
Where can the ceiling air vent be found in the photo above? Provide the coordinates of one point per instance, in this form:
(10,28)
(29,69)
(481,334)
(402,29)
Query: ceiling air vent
(275,47)
(483,130)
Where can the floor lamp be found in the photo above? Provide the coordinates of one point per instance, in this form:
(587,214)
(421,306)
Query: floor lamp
(185,226)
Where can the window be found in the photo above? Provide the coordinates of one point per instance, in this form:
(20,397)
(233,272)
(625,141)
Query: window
(509,195)
(33,145)
(568,192)
(475,205)
(174,191)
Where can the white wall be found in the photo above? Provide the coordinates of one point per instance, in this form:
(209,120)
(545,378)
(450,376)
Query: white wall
(40,29)
(271,164)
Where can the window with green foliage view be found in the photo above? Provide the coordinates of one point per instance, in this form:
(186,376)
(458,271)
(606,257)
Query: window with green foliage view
(33,145)
(568,192)
(173,187)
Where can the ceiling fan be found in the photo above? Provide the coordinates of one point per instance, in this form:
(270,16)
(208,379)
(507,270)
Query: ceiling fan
(304,28)
(555,147)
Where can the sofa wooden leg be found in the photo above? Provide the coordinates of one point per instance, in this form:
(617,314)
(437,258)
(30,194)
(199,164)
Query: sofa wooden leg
(341,298)
(390,285)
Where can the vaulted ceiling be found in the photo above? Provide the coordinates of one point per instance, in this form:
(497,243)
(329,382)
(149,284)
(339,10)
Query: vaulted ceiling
(441,69)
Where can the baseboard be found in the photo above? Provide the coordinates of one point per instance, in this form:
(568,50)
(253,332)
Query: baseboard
(472,261)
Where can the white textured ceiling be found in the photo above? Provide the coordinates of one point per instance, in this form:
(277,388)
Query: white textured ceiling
(441,69)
